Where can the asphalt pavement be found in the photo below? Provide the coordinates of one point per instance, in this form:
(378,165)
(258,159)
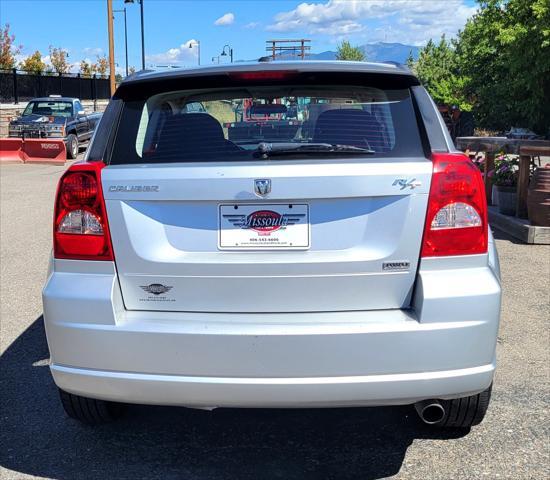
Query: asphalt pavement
(38,441)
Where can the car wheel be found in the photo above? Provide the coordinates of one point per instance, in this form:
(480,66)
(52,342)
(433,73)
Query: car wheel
(467,411)
(72,146)
(89,410)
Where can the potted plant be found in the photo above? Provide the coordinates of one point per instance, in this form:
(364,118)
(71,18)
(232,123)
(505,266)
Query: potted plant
(505,179)
(479,161)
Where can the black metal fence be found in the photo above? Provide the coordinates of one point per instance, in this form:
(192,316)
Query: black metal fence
(16,86)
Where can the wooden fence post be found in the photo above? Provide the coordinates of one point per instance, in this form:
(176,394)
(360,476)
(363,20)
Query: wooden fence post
(523,185)
(15,92)
(488,167)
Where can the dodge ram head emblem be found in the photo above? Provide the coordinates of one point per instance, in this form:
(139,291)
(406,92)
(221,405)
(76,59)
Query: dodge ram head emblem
(262,187)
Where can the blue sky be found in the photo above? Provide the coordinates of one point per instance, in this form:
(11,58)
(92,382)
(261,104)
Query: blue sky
(80,26)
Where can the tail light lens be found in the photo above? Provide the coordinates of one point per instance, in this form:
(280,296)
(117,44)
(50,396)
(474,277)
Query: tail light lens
(81,231)
(456,222)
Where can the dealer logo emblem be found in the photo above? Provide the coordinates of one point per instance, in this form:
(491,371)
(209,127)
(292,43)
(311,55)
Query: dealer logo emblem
(264,221)
(156,288)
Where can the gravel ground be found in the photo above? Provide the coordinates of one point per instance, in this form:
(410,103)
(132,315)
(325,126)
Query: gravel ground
(38,441)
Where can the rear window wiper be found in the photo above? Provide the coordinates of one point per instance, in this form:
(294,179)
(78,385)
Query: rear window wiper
(266,150)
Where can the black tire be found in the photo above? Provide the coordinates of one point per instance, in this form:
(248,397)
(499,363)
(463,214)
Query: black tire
(72,146)
(466,412)
(89,410)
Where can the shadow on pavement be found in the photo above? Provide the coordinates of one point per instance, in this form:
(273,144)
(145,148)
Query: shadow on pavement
(501,235)
(164,442)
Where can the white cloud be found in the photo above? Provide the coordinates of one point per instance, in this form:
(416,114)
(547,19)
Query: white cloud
(19,58)
(93,51)
(407,21)
(75,66)
(226,19)
(187,52)
(252,25)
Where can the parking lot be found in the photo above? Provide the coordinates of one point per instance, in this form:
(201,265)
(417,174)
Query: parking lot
(38,441)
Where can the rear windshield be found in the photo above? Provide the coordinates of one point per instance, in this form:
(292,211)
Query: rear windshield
(234,124)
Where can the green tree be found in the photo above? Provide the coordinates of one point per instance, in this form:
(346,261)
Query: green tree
(131,70)
(58,59)
(85,68)
(504,55)
(437,69)
(410,60)
(8,50)
(346,52)
(101,66)
(33,63)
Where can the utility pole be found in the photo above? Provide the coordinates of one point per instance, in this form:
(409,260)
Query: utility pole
(111,46)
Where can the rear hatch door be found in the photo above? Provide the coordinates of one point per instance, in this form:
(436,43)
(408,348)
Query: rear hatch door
(359,250)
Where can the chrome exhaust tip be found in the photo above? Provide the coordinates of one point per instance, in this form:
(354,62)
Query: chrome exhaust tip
(430,411)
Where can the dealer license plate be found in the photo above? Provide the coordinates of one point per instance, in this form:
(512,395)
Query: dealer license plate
(263,227)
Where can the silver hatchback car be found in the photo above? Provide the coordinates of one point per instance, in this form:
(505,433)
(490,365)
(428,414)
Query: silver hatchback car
(286,234)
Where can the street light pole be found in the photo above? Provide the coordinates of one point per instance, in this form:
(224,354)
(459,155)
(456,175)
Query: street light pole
(224,54)
(111,46)
(125,36)
(142,37)
(142,32)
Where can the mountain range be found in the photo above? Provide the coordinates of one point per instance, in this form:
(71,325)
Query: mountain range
(377,52)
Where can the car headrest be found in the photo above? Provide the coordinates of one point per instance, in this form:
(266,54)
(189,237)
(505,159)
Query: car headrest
(350,126)
(192,128)
(192,135)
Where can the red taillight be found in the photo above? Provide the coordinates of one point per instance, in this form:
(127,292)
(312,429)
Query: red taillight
(81,231)
(79,188)
(456,222)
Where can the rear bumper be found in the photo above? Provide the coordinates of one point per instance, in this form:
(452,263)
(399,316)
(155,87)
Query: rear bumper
(208,392)
(444,347)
